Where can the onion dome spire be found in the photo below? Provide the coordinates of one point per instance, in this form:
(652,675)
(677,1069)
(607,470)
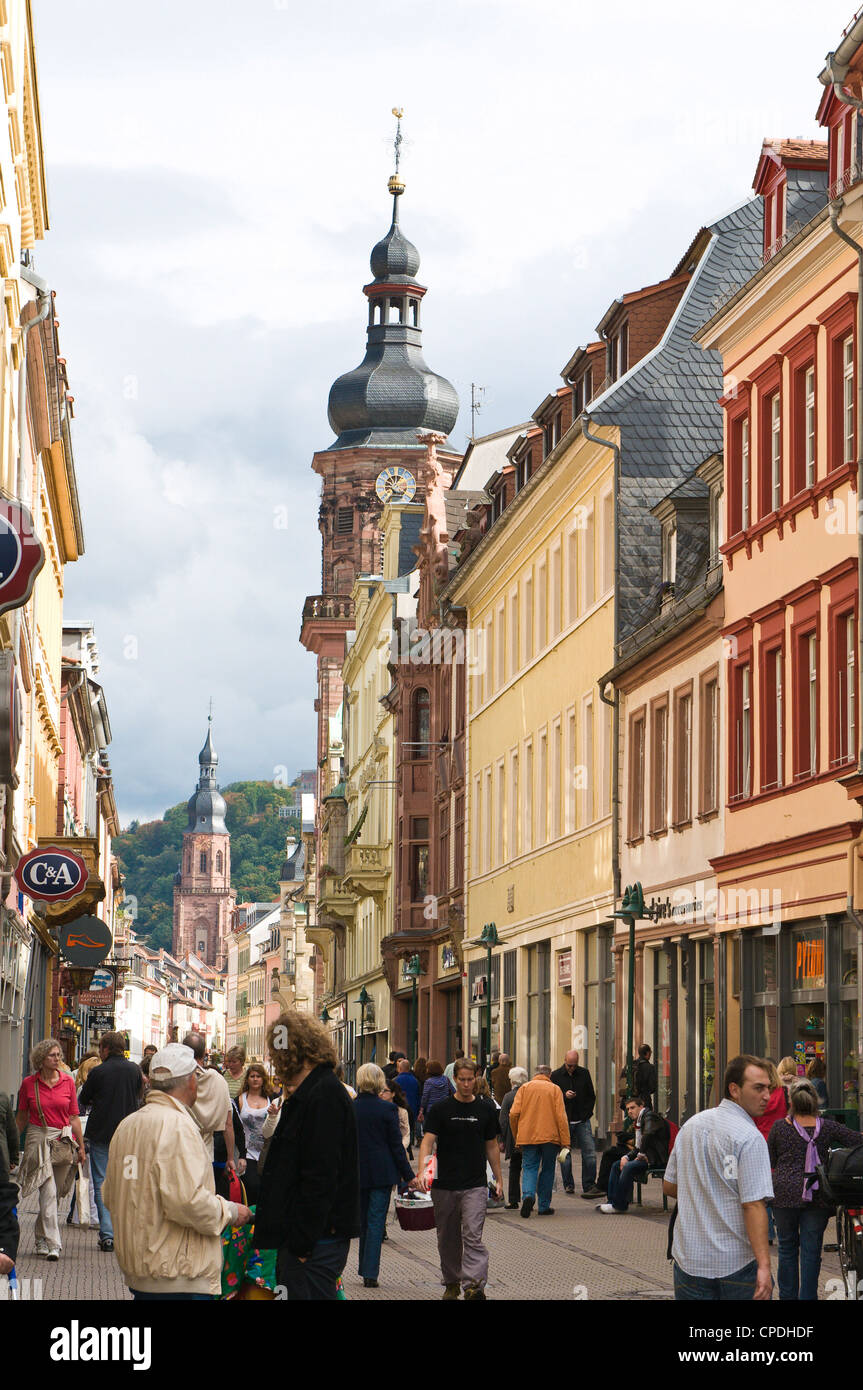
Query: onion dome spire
(206,807)
(392,393)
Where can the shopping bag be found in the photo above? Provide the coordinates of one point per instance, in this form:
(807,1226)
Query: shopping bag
(82,1197)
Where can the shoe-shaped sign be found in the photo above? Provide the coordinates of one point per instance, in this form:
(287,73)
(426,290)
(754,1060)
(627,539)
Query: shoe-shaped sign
(85,941)
(22,554)
(51,875)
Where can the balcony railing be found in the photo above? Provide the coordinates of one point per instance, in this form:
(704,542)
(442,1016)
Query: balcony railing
(845,181)
(367,870)
(328,606)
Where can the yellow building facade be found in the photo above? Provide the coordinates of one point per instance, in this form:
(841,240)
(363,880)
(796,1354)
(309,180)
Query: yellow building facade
(539,592)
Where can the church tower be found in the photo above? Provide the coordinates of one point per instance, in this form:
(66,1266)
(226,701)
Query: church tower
(202,886)
(377,411)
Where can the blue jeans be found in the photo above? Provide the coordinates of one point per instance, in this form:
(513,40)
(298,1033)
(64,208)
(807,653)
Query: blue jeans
(537,1172)
(800,1231)
(581,1134)
(98,1165)
(737,1287)
(317,1277)
(374,1205)
(621,1181)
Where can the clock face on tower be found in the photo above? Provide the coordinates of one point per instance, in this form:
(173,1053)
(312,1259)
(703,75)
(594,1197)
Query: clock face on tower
(395,484)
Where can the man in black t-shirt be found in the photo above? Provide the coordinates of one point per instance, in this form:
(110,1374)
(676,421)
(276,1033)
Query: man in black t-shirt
(466,1131)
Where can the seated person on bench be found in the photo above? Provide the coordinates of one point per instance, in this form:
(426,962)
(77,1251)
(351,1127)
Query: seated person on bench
(651,1151)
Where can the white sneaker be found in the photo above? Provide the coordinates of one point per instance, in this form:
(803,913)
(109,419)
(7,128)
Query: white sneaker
(41,1245)
(610,1210)
(53,1253)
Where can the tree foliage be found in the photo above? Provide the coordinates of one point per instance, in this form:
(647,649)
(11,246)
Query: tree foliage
(149,854)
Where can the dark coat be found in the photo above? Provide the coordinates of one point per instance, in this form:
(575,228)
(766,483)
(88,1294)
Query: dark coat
(581,1106)
(503,1119)
(644,1081)
(8,1220)
(112,1091)
(310,1186)
(655,1138)
(383,1160)
(411,1088)
(10,1146)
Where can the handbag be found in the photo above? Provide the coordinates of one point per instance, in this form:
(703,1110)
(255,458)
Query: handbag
(62,1151)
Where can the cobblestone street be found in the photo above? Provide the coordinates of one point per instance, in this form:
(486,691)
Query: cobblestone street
(576,1253)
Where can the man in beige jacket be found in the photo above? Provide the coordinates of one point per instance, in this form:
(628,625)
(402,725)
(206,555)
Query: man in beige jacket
(160,1191)
(540,1129)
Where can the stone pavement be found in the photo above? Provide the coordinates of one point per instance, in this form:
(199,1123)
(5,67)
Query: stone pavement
(577,1253)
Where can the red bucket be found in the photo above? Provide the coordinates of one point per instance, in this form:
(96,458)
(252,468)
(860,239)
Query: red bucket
(415,1213)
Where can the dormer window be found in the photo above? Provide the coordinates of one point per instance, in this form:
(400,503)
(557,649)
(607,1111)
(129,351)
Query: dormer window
(669,558)
(583,392)
(715,521)
(618,352)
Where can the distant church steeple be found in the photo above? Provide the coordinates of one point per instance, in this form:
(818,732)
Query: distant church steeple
(202,888)
(393,392)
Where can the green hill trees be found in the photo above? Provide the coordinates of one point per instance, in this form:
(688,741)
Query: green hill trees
(149,854)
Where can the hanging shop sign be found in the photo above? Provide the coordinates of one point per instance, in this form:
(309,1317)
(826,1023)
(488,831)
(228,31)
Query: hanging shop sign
(564,970)
(50,874)
(22,555)
(85,941)
(100,995)
(448,958)
(11,719)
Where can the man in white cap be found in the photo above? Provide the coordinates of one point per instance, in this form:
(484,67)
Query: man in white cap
(160,1191)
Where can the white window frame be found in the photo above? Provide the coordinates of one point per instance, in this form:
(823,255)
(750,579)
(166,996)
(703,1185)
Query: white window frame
(809,418)
(776,451)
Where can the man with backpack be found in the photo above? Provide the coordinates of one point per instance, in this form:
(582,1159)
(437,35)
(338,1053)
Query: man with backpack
(652,1138)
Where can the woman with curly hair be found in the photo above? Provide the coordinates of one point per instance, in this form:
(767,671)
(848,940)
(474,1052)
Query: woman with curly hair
(309,1203)
(48,1110)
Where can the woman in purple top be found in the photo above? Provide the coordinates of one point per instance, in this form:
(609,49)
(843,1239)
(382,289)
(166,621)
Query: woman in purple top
(437,1087)
(797,1144)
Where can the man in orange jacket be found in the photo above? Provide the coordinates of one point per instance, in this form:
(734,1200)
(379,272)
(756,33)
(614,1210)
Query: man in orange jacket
(539,1128)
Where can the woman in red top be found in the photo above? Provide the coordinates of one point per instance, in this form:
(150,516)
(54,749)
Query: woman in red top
(47,1106)
(777,1109)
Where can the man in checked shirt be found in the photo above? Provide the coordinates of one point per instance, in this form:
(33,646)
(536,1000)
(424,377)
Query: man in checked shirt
(719,1171)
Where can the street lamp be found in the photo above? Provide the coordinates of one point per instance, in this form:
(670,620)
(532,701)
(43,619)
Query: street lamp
(325,1014)
(632,906)
(363,999)
(414,969)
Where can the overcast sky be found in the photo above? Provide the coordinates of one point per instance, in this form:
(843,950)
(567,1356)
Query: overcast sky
(216,180)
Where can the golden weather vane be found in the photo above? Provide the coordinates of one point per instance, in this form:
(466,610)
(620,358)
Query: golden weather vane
(396,183)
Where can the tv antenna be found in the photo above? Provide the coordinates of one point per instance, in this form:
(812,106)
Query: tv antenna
(476,395)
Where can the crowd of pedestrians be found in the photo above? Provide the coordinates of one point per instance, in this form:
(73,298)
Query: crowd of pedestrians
(179,1155)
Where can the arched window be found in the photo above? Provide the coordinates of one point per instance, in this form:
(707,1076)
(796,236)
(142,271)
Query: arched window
(420,723)
(219,862)
(397,311)
(379,312)
(203,862)
(415,312)
(188,863)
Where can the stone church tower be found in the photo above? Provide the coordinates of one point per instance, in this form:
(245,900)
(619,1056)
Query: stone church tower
(202,887)
(377,411)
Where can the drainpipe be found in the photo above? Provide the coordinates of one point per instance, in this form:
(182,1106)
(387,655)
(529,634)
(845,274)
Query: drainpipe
(857,848)
(835,209)
(615,701)
(836,75)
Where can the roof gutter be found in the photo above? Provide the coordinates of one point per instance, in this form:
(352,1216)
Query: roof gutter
(615,701)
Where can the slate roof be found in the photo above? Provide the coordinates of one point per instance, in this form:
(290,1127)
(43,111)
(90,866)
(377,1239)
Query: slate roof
(667,410)
(487,454)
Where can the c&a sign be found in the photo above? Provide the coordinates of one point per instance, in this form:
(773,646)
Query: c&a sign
(50,874)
